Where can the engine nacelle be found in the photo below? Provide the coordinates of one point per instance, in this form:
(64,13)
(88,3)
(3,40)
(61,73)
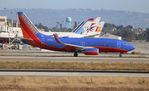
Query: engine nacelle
(91,51)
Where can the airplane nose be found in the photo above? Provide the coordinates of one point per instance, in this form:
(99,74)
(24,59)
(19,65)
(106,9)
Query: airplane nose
(127,46)
(131,47)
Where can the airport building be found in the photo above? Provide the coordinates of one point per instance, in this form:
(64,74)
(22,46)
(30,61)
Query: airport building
(3,23)
(9,31)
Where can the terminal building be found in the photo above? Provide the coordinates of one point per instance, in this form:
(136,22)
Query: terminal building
(9,33)
(3,23)
(9,30)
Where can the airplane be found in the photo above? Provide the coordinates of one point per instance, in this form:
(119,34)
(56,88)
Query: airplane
(90,28)
(88,46)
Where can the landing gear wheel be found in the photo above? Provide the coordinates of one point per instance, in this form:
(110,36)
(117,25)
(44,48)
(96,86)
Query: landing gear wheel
(120,55)
(76,54)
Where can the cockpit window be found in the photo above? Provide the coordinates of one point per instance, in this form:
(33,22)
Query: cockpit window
(125,43)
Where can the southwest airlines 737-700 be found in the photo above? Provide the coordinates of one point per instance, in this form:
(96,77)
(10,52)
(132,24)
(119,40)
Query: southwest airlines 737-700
(88,46)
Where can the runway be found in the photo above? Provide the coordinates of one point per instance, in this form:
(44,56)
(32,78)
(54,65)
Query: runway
(73,59)
(68,57)
(42,72)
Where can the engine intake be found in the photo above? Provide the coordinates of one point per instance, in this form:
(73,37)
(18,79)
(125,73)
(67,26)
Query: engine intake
(91,51)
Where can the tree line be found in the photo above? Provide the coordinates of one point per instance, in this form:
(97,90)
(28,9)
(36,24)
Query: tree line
(128,32)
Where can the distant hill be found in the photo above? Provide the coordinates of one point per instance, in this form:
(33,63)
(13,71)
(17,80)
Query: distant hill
(49,17)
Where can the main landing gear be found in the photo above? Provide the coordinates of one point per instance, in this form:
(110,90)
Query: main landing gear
(120,55)
(76,54)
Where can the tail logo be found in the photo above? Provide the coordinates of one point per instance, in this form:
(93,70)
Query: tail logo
(92,27)
(29,24)
(98,29)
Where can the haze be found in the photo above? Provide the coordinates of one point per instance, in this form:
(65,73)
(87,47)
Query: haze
(125,5)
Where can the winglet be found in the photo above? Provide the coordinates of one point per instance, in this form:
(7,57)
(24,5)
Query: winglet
(57,39)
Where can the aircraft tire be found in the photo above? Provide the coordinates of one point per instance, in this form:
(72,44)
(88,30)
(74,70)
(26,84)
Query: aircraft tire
(120,55)
(75,54)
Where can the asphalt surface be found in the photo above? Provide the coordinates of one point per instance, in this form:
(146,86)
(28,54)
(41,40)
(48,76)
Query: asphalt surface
(98,59)
(107,74)
(37,55)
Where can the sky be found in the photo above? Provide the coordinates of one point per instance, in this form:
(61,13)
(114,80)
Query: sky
(125,5)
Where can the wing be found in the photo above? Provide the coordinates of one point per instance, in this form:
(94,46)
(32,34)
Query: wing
(69,45)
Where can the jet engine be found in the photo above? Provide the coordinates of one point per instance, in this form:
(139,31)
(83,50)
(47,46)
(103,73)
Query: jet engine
(91,51)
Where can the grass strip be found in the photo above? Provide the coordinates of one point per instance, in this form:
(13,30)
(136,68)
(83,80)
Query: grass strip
(29,83)
(73,65)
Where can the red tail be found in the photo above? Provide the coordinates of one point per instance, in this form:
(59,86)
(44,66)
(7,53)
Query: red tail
(28,29)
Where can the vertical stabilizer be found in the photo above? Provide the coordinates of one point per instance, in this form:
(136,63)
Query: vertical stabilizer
(28,29)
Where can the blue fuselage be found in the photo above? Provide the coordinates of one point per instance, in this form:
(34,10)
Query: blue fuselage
(103,44)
